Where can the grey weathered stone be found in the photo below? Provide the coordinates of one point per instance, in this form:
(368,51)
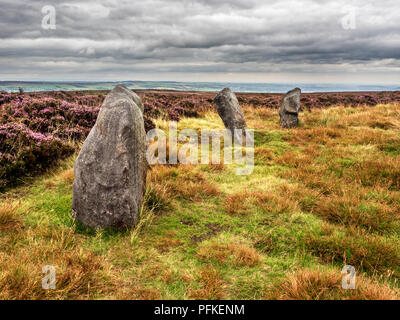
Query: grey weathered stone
(110,171)
(132,95)
(230,112)
(290,108)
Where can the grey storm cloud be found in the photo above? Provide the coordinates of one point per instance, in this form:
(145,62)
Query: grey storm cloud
(208,36)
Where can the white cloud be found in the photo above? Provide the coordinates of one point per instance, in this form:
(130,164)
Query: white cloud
(93,10)
(252,38)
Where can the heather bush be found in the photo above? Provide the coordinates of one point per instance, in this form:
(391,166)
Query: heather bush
(36,126)
(24,152)
(172,106)
(322,100)
(49,115)
(36,130)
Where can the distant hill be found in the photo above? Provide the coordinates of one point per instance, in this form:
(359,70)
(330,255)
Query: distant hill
(29,86)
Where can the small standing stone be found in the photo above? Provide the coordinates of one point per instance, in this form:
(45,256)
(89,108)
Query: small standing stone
(290,108)
(110,171)
(229,110)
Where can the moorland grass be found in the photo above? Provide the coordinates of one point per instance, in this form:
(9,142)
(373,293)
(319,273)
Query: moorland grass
(322,195)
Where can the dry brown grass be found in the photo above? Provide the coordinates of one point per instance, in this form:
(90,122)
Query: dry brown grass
(49,184)
(349,203)
(167,242)
(326,285)
(344,170)
(79,275)
(317,135)
(158,198)
(67,176)
(9,220)
(296,159)
(369,253)
(265,155)
(367,136)
(186,277)
(213,286)
(384,172)
(329,173)
(265,243)
(184,181)
(236,203)
(257,117)
(236,253)
(137,292)
(216,167)
(167,276)
(300,196)
(382,116)
(240,203)
(339,129)
(350,208)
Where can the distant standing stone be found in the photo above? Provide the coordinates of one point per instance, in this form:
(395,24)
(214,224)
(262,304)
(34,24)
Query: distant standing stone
(110,171)
(290,108)
(229,110)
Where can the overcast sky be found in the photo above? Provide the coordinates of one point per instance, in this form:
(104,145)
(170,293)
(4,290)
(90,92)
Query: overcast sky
(207,40)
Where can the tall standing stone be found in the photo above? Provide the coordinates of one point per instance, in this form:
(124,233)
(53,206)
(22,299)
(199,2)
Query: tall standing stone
(229,110)
(132,95)
(110,171)
(290,108)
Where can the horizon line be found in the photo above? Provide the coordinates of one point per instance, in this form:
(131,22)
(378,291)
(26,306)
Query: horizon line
(219,82)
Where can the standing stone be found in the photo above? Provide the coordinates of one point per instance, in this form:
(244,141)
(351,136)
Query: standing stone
(110,171)
(290,108)
(136,99)
(229,110)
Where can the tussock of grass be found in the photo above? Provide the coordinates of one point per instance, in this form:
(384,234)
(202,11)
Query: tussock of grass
(9,220)
(319,284)
(264,155)
(238,254)
(67,176)
(350,209)
(183,182)
(79,274)
(241,203)
(384,172)
(318,135)
(158,198)
(168,241)
(152,203)
(213,286)
(217,167)
(370,253)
